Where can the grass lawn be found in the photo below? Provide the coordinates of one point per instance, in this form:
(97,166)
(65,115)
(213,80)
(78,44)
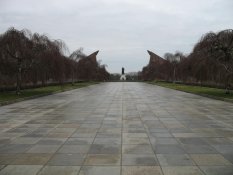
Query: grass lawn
(215,92)
(11,96)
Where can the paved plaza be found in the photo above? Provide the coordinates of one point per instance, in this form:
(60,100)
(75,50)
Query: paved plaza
(117,128)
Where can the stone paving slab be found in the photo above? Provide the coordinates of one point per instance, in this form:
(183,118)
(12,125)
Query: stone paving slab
(21,170)
(118,129)
(103,159)
(60,170)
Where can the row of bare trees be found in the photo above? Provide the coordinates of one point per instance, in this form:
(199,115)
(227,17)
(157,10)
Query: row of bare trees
(210,62)
(32,59)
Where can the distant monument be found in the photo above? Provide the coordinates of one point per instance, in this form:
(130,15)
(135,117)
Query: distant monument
(123,77)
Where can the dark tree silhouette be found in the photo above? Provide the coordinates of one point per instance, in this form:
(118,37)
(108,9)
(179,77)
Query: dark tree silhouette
(16,46)
(174,59)
(32,59)
(217,48)
(75,57)
(210,63)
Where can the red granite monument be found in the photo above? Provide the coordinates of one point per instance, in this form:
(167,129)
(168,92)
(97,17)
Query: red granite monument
(155,69)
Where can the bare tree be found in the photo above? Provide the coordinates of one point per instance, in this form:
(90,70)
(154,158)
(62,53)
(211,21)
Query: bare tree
(174,59)
(27,58)
(222,52)
(16,45)
(76,56)
(210,62)
(218,47)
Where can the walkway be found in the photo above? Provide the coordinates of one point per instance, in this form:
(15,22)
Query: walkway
(117,129)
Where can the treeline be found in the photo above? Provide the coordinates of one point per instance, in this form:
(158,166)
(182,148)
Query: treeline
(209,63)
(28,58)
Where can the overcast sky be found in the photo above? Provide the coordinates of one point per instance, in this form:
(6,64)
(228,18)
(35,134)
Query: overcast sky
(121,29)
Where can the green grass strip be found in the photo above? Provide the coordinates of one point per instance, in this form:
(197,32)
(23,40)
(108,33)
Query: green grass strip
(200,90)
(12,96)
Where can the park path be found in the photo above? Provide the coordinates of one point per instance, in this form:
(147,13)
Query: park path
(117,128)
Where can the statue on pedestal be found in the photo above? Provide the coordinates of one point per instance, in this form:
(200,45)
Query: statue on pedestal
(123,77)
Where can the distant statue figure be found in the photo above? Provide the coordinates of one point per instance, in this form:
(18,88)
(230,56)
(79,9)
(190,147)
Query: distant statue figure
(123,77)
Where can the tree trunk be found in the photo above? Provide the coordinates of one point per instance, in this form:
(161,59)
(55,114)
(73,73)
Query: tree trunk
(227,85)
(174,75)
(19,78)
(72,77)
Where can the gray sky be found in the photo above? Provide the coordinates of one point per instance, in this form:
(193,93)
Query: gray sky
(121,29)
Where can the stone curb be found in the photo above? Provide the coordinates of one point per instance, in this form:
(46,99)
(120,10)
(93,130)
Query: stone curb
(203,95)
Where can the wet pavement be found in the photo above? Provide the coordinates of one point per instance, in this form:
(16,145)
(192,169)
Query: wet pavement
(117,129)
